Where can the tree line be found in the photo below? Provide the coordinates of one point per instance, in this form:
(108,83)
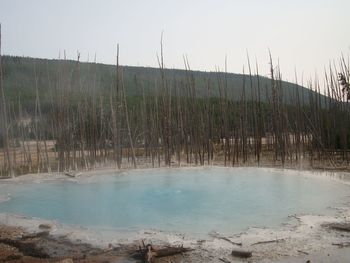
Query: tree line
(170,121)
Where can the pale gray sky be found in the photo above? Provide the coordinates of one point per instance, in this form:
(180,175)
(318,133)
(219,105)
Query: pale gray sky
(301,34)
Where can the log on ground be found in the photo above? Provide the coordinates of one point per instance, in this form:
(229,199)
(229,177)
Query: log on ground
(345,226)
(148,254)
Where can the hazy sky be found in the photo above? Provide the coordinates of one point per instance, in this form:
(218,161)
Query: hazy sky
(301,34)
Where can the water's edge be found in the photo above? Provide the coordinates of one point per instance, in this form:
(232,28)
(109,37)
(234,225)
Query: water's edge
(302,235)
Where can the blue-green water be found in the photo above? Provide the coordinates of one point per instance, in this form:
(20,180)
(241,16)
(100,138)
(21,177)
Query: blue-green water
(191,200)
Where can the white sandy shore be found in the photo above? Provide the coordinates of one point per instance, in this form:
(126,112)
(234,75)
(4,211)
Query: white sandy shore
(297,241)
(333,255)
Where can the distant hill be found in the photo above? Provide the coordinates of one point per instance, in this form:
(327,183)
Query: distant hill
(98,79)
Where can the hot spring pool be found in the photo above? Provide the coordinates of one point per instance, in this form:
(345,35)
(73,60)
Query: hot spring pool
(188,200)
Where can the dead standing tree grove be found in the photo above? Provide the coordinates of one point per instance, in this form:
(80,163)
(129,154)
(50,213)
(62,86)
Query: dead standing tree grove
(171,120)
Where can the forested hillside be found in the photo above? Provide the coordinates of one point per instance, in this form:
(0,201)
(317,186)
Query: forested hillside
(23,74)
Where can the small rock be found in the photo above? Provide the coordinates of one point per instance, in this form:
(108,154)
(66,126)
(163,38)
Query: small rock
(241,253)
(45,226)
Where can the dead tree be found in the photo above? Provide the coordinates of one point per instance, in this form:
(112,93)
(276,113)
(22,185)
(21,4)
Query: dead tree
(6,138)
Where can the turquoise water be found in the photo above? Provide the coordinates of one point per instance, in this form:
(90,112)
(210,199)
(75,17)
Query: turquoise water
(195,200)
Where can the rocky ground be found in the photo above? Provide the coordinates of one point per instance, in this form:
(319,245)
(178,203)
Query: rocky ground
(316,239)
(17,245)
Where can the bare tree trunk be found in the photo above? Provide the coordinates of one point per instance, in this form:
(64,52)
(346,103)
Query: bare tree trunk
(4,120)
(128,123)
